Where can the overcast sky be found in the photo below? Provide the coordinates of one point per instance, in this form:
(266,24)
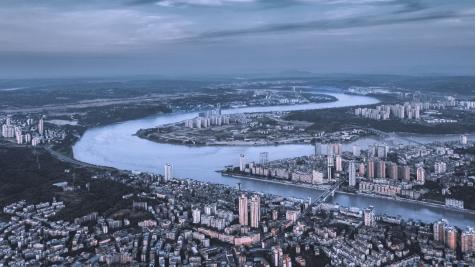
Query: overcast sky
(53,38)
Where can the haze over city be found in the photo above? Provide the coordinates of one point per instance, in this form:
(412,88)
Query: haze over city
(196,37)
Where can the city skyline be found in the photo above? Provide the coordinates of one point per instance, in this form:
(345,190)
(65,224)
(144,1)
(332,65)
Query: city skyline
(260,173)
(237,133)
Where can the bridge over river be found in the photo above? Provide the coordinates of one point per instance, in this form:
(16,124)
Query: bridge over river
(323,197)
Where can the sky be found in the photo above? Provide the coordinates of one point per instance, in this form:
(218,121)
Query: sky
(65,38)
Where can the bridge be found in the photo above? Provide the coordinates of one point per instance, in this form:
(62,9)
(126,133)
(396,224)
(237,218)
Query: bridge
(393,134)
(323,197)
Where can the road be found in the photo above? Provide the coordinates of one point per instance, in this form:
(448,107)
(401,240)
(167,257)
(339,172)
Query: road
(67,159)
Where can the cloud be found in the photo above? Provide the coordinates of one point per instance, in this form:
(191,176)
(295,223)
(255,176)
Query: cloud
(331,24)
(92,35)
(410,5)
(170,3)
(95,30)
(120,28)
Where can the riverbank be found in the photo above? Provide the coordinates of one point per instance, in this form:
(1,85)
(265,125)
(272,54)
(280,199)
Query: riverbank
(276,181)
(412,201)
(330,120)
(322,188)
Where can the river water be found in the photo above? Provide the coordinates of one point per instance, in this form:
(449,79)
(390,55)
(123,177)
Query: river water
(116,146)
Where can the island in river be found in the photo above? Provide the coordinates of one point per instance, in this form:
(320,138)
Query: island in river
(253,128)
(263,128)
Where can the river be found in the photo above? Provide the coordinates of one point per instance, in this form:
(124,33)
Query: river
(116,146)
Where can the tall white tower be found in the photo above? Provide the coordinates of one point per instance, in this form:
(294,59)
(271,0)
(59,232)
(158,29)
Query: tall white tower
(420,174)
(243,209)
(352,182)
(242,163)
(464,139)
(196,215)
(41,128)
(167,172)
(338,163)
(255,212)
(330,166)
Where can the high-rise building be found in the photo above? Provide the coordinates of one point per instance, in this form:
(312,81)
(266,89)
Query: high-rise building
(352,181)
(243,209)
(404,172)
(330,150)
(338,163)
(41,128)
(292,215)
(382,151)
(167,172)
(361,169)
(255,211)
(464,139)
(35,141)
(372,151)
(8,131)
(467,240)
(330,166)
(439,230)
(420,175)
(196,215)
(369,216)
(393,171)
(210,209)
(27,138)
(334,149)
(287,261)
(277,255)
(242,163)
(451,237)
(338,149)
(18,135)
(370,169)
(381,170)
(379,151)
(417,112)
(356,150)
(317,149)
(274,215)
